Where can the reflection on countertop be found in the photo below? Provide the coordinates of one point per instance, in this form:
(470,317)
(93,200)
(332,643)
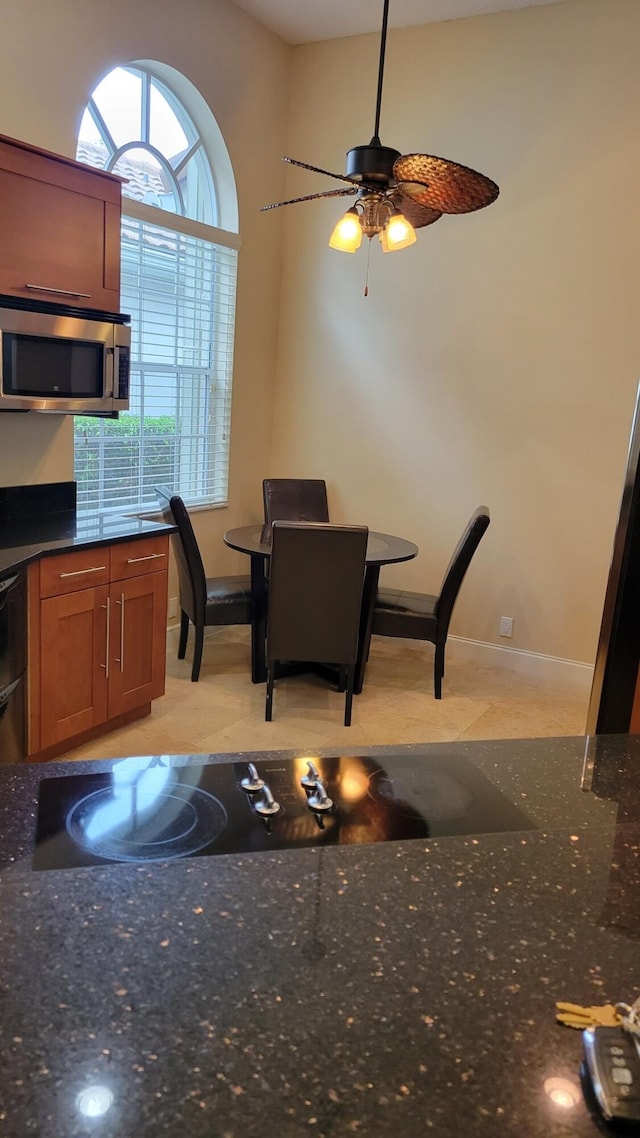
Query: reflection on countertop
(394,989)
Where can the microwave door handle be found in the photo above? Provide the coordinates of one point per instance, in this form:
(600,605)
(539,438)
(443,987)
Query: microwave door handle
(108,378)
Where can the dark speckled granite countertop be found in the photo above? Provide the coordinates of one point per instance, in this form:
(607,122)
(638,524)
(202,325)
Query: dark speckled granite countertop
(41,519)
(391,990)
(22,541)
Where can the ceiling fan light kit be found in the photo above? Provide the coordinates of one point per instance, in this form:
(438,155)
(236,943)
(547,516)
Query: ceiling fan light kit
(347,235)
(396,193)
(398,233)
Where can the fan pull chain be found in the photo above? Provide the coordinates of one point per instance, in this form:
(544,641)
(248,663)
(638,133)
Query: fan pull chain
(366,278)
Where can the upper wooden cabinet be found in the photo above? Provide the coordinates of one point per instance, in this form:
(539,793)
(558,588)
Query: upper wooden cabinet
(59,229)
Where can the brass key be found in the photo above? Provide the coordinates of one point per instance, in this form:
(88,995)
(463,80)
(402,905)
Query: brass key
(574,1015)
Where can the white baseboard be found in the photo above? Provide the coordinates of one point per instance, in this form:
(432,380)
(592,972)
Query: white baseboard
(568,673)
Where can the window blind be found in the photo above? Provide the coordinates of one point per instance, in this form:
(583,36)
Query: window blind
(180,292)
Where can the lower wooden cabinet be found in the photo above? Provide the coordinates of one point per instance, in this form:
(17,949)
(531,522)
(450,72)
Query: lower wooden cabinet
(137,642)
(73,646)
(96,654)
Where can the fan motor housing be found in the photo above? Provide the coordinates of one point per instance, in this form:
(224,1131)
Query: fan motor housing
(371,163)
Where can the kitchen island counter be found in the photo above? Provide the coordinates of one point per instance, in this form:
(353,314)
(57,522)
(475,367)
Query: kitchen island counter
(394,989)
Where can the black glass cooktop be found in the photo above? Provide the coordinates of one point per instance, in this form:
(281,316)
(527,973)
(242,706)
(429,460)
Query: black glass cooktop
(146,810)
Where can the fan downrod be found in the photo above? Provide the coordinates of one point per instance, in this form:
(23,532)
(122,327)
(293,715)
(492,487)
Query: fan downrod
(374,163)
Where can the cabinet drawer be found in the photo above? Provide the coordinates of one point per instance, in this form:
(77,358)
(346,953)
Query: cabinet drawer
(69,572)
(144,555)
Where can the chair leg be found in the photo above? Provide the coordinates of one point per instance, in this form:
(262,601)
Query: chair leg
(197,654)
(184,633)
(342,677)
(269,704)
(351,675)
(438,670)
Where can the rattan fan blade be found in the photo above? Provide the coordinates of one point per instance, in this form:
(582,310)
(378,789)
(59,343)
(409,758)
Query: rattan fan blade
(310,197)
(443,185)
(417,215)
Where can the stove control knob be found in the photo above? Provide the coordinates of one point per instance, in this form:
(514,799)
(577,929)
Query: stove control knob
(267,805)
(320,802)
(252,783)
(310,779)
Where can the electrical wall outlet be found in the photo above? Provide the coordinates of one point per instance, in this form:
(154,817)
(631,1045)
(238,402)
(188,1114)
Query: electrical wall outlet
(172,608)
(506,626)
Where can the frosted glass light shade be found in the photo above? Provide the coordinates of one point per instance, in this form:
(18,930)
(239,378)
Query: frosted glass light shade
(397,234)
(347,234)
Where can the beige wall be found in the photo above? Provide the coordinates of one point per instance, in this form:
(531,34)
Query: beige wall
(496,360)
(52,53)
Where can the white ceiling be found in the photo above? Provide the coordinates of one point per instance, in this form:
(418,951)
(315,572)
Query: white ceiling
(302,21)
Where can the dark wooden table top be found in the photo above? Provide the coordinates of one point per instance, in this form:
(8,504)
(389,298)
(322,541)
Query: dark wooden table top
(382,548)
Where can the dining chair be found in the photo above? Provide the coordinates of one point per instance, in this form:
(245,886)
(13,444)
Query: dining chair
(295,500)
(421,616)
(315,599)
(204,601)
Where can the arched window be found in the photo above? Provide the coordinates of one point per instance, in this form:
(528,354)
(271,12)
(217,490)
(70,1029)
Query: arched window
(179,261)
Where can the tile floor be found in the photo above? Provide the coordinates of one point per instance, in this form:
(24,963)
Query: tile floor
(224,711)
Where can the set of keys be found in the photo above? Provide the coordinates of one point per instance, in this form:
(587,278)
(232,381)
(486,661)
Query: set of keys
(626,1016)
(611,1040)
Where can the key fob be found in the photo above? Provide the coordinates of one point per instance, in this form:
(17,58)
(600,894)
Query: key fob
(612,1066)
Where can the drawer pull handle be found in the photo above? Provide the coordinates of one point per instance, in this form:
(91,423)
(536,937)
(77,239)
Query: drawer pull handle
(80,572)
(120,661)
(106,649)
(149,557)
(59,291)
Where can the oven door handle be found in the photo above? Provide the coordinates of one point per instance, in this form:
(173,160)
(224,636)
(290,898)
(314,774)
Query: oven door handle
(5,588)
(5,695)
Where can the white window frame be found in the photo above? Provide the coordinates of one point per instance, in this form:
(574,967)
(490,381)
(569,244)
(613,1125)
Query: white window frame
(191,110)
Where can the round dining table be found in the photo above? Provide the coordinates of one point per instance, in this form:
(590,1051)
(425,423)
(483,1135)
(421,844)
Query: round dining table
(255,540)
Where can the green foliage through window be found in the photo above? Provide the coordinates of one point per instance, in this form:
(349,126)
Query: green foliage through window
(119,462)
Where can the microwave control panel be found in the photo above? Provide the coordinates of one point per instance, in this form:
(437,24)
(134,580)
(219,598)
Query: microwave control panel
(123,373)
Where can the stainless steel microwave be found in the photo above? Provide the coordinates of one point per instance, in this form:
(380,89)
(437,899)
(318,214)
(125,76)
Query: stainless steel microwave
(69,364)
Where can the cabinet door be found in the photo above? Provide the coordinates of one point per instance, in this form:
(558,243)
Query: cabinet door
(138,642)
(59,230)
(73,664)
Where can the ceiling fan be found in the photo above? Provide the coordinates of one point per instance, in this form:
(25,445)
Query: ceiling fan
(396,193)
